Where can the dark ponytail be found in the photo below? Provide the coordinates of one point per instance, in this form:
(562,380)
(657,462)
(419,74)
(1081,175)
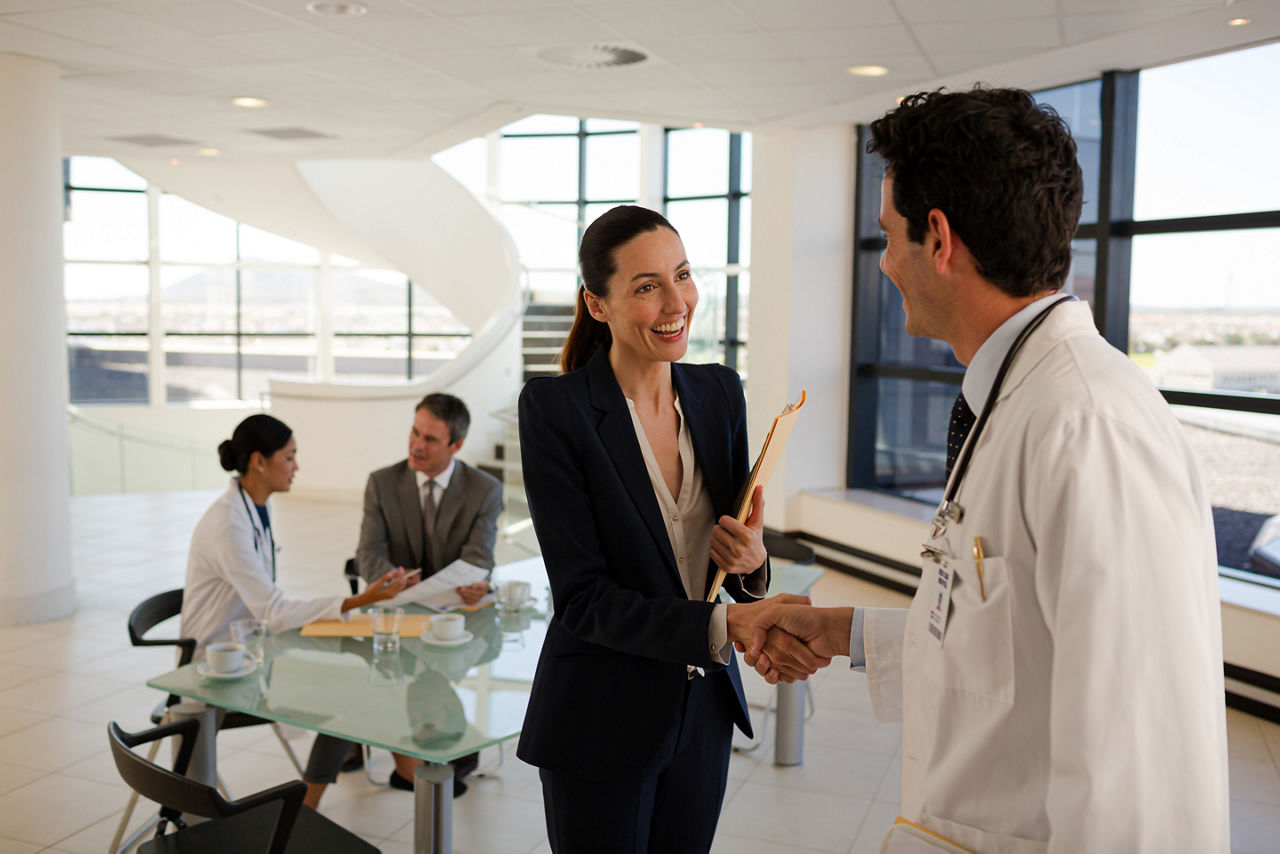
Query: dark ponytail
(260,433)
(597,265)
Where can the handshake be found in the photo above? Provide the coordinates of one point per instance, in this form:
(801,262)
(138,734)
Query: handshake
(785,638)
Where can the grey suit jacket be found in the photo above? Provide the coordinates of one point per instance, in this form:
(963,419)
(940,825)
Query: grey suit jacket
(392,533)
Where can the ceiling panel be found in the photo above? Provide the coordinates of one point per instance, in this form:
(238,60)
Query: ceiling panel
(199,16)
(1040,32)
(857,44)
(820,14)
(554,26)
(97,25)
(933,11)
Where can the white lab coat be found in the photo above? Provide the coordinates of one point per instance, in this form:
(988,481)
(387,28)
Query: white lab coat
(1080,707)
(229,576)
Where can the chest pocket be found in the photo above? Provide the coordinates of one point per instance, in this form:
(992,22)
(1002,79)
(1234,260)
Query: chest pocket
(976,656)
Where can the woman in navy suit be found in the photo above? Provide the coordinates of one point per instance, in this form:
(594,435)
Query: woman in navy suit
(630,464)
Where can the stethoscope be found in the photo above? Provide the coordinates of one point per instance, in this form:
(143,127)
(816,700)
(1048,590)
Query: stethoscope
(949,510)
(257,538)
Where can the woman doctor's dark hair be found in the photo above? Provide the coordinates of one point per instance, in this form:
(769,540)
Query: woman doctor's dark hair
(260,433)
(612,229)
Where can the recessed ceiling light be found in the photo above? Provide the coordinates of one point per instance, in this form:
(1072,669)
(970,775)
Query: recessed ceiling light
(209,152)
(343,10)
(697,124)
(868,70)
(249,102)
(174,161)
(1237,22)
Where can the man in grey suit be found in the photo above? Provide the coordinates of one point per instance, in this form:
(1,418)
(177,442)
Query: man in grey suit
(425,512)
(396,531)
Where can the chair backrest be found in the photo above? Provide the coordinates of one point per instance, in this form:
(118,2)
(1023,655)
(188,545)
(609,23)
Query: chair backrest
(352,575)
(171,789)
(151,613)
(176,793)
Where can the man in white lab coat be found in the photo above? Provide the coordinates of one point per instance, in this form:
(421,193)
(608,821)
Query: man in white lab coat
(1059,673)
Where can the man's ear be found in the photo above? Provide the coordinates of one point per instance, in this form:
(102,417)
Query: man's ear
(940,242)
(456,446)
(595,306)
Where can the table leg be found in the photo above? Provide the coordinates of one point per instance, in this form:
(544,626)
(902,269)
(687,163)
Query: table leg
(789,741)
(204,761)
(433,809)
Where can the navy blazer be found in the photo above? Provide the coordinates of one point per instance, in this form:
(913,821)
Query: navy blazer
(612,673)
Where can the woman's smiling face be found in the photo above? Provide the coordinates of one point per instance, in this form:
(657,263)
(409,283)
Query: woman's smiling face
(651,298)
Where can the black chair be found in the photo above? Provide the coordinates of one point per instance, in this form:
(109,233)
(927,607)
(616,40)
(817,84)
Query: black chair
(271,821)
(147,615)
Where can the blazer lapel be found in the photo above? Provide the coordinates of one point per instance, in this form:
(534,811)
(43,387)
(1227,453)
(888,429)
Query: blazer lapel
(619,437)
(709,430)
(411,511)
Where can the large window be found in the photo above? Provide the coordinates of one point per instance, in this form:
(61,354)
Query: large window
(1175,257)
(220,306)
(555,175)
(708,174)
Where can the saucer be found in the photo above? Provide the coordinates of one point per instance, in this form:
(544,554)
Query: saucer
(510,608)
(465,638)
(203,668)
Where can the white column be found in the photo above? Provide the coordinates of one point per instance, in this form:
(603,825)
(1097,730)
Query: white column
(801,298)
(653,150)
(35,510)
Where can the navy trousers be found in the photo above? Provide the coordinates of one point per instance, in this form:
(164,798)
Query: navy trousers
(672,811)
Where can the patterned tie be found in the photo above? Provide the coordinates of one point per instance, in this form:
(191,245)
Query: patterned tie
(429,506)
(962,419)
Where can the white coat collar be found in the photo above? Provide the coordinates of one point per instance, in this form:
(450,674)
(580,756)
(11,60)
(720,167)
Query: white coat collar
(985,364)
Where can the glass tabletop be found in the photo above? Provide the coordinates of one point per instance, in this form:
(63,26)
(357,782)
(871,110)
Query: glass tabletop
(430,701)
(426,700)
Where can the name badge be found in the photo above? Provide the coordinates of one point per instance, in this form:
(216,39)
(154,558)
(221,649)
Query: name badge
(941,601)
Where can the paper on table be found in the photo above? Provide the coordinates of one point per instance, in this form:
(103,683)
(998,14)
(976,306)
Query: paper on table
(774,444)
(448,580)
(357,626)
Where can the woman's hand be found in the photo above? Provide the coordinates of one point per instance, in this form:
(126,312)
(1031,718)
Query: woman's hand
(386,587)
(738,548)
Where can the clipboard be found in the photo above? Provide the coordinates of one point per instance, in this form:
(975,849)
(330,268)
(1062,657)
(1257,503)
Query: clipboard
(357,626)
(774,444)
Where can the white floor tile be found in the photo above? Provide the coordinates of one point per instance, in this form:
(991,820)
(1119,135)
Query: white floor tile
(1254,780)
(13,846)
(830,769)
(16,776)
(54,743)
(820,820)
(1255,828)
(55,807)
(878,819)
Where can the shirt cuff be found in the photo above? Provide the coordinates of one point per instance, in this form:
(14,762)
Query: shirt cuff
(718,634)
(755,585)
(857,645)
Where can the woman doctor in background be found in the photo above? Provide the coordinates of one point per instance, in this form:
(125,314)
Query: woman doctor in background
(231,568)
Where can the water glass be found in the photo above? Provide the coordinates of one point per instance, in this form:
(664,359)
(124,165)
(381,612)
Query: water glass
(385,624)
(251,633)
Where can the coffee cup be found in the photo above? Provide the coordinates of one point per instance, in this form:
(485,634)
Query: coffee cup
(515,594)
(225,656)
(447,627)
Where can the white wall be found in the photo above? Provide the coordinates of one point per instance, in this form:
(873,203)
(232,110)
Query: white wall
(801,298)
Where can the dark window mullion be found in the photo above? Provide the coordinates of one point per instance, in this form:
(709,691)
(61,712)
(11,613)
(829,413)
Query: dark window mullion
(1117,168)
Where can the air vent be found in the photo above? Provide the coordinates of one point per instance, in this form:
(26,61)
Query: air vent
(591,56)
(153,140)
(290,133)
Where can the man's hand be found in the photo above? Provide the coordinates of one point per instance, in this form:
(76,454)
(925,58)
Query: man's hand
(824,631)
(789,658)
(738,548)
(473,593)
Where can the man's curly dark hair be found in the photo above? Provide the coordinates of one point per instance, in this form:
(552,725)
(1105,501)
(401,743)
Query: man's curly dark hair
(1001,167)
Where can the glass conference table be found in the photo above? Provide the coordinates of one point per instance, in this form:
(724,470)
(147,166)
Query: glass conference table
(433,702)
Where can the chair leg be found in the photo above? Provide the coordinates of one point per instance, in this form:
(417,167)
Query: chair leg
(116,847)
(288,748)
(120,848)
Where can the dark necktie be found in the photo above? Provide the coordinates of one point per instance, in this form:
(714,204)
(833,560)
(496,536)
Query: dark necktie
(962,419)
